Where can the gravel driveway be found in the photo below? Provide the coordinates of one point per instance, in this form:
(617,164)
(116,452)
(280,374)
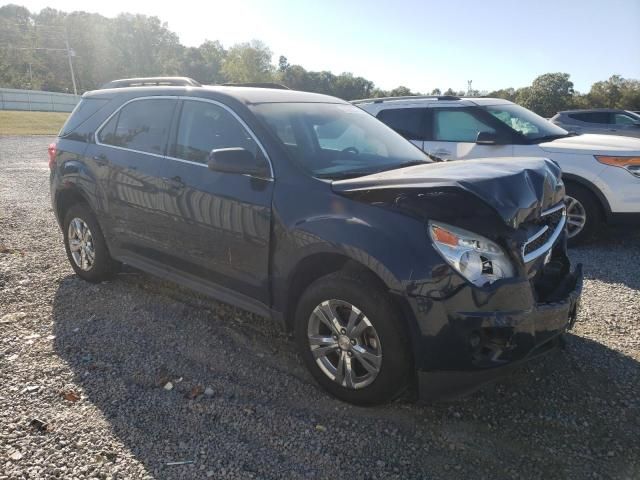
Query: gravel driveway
(86,371)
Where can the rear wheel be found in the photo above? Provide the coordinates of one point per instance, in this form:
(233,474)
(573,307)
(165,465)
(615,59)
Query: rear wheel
(352,340)
(583,213)
(85,245)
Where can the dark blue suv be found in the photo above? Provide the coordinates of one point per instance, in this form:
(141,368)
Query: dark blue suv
(390,269)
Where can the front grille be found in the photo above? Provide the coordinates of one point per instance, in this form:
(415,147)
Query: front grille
(545,230)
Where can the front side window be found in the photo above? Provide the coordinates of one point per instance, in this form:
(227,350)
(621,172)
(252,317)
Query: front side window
(408,122)
(205,126)
(457,125)
(141,125)
(337,140)
(622,119)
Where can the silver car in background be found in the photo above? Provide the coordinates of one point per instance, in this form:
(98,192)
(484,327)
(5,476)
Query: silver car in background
(602,120)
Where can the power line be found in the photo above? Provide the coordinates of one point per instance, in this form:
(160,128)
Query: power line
(68,49)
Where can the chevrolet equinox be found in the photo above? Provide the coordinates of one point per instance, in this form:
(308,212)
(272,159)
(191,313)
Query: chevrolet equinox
(389,269)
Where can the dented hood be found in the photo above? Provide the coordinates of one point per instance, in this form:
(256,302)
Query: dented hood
(518,189)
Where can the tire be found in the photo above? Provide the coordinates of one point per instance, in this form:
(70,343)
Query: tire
(102,266)
(378,331)
(582,201)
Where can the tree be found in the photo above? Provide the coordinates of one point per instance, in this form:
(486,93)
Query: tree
(138,45)
(616,92)
(283,64)
(248,62)
(506,93)
(204,63)
(400,91)
(548,94)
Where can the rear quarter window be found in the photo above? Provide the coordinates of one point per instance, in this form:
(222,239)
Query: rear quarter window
(84,110)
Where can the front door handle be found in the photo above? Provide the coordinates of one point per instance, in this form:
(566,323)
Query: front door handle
(101,160)
(174,183)
(442,154)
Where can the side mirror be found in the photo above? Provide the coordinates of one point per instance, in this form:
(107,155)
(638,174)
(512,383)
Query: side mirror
(486,138)
(238,160)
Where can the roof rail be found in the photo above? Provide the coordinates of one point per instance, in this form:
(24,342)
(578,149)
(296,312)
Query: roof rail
(257,85)
(152,81)
(409,97)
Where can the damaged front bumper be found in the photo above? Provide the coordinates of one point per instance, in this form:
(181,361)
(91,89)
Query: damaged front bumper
(474,346)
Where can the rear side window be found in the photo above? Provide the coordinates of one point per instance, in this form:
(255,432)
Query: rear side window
(408,122)
(591,117)
(84,110)
(457,125)
(141,125)
(205,126)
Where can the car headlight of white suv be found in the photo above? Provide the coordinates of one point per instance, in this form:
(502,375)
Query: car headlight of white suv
(631,164)
(475,257)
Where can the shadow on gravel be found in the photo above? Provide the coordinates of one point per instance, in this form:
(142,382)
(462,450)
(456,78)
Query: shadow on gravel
(612,256)
(573,414)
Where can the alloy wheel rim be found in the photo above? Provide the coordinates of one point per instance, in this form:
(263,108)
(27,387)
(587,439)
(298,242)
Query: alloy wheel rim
(81,244)
(576,216)
(344,344)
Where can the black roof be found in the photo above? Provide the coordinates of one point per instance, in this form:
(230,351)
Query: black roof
(246,95)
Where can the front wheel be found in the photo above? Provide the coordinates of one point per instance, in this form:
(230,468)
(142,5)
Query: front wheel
(352,339)
(583,214)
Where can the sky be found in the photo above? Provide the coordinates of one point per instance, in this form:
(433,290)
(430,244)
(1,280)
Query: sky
(419,44)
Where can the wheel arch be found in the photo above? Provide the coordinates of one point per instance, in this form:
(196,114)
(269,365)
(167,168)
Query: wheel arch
(68,197)
(594,190)
(317,265)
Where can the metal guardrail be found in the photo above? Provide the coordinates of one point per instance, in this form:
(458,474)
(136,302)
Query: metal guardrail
(37,100)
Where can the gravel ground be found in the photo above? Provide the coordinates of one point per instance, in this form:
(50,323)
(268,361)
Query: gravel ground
(84,371)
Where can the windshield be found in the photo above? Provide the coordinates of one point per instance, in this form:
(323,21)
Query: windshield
(337,140)
(524,121)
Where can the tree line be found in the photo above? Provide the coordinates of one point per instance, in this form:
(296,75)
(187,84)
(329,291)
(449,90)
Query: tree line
(34,55)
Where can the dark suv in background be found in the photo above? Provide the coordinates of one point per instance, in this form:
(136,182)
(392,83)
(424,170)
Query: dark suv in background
(304,208)
(605,121)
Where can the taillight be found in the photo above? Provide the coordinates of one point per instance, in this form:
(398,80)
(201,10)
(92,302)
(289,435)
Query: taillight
(52,155)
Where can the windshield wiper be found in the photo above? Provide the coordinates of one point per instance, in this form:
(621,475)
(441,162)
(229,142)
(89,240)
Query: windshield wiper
(344,175)
(362,173)
(409,163)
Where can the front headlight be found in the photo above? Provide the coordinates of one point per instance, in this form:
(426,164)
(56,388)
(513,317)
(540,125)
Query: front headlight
(631,164)
(476,258)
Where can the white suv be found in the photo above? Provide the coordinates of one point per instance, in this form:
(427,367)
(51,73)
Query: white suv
(601,172)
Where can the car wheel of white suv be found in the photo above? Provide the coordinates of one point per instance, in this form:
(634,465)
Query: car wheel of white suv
(583,213)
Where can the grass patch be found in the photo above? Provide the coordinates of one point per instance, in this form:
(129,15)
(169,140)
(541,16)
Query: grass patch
(31,123)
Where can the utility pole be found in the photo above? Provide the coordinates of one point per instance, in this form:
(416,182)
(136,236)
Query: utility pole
(73,76)
(469,88)
(70,52)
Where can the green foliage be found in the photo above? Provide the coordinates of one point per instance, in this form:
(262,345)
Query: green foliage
(248,62)
(33,55)
(616,92)
(548,94)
